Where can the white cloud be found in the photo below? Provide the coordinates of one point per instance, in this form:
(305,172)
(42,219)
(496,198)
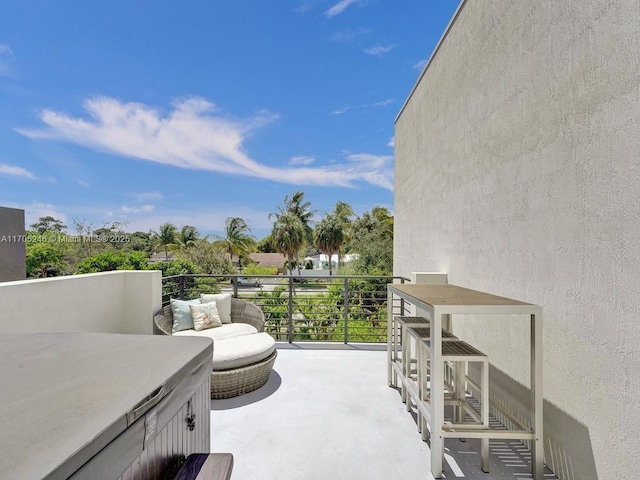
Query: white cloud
(419,65)
(379,49)
(392,142)
(303,8)
(83,184)
(377,169)
(148,196)
(346,108)
(338,8)
(6,59)
(13,171)
(137,209)
(52,180)
(190,136)
(349,35)
(301,160)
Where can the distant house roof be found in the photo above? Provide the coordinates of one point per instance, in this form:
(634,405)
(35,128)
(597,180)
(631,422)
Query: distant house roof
(268,259)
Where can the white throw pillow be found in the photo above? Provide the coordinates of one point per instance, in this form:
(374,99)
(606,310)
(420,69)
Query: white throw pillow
(223,302)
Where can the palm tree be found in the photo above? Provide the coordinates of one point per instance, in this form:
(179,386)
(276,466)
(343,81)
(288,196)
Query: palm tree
(384,218)
(188,236)
(166,238)
(329,237)
(289,235)
(294,207)
(302,210)
(237,240)
(344,213)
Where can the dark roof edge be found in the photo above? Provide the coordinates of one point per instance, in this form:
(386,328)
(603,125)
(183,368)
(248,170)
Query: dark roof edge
(435,51)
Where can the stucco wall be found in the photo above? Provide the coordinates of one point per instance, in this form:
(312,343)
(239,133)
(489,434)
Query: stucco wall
(518,173)
(110,302)
(12,245)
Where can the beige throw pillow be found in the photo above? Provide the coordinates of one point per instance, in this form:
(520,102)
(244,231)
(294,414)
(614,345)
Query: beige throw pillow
(205,315)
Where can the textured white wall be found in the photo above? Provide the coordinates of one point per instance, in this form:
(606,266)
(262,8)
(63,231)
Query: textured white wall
(111,302)
(518,173)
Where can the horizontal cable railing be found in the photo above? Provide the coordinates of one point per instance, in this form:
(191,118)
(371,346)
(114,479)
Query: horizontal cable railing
(337,308)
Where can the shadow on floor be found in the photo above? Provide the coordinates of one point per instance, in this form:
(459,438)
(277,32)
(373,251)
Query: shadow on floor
(263,392)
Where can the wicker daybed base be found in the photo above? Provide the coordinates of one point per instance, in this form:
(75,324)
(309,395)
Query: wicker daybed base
(238,381)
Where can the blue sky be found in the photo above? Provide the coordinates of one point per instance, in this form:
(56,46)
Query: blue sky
(143,112)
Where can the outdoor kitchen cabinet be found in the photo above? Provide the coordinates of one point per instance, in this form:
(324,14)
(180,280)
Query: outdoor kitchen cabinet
(101,406)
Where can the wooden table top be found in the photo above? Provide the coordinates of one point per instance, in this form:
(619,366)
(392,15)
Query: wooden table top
(448,295)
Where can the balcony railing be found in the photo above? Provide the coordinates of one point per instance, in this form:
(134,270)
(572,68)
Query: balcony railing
(335,308)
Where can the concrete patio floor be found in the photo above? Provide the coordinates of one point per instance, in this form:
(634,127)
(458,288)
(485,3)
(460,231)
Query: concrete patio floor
(327,413)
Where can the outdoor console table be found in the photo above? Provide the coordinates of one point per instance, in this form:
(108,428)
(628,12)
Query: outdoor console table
(440,301)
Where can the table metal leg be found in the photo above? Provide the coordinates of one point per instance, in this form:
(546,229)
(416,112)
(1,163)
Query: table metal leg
(437,395)
(484,416)
(537,445)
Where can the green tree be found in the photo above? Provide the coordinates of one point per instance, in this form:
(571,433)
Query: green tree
(344,213)
(329,237)
(109,261)
(384,219)
(48,256)
(206,257)
(48,224)
(85,246)
(140,242)
(293,207)
(166,239)
(266,245)
(44,259)
(301,209)
(372,240)
(188,236)
(178,266)
(288,235)
(238,240)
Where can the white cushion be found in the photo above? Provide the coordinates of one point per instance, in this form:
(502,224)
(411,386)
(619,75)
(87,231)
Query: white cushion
(223,302)
(242,351)
(227,330)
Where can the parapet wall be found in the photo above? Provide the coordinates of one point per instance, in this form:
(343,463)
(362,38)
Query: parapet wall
(109,302)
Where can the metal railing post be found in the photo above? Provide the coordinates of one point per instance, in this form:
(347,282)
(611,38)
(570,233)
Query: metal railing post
(181,286)
(290,310)
(346,310)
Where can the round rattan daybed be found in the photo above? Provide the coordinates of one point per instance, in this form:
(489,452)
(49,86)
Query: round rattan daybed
(234,381)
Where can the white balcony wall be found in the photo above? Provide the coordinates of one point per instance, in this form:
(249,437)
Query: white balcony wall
(110,302)
(518,173)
